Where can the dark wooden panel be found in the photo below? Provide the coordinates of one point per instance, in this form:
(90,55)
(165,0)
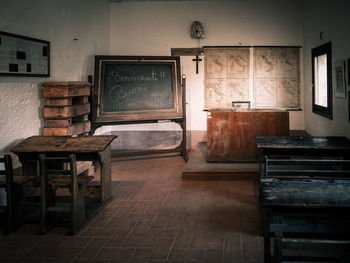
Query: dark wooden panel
(303,143)
(232,135)
(187,51)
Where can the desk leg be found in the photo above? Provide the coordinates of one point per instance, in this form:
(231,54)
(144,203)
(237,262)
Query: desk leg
(105,160)
(266,233)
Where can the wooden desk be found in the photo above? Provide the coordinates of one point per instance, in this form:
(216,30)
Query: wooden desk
(231,135)
(90,148)
(302,145)
(313,205)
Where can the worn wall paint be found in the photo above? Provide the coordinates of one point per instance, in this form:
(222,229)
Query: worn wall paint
(153,28)
(331,18)
(60,22)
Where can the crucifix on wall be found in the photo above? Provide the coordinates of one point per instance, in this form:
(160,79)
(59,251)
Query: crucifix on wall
(189,52)
(197,62)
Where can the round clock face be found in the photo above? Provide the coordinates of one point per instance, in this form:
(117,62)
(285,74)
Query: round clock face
(197,30)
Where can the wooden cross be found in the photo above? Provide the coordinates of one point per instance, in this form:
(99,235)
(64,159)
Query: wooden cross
(197,60)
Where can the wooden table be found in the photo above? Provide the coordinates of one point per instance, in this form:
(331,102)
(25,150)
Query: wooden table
(89,148)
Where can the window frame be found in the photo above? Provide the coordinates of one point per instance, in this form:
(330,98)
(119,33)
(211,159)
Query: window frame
(325,49)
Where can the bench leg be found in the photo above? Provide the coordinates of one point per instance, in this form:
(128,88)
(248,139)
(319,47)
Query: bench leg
(278,248)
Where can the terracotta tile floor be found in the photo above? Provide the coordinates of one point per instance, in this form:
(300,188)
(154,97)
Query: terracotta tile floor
(154,216)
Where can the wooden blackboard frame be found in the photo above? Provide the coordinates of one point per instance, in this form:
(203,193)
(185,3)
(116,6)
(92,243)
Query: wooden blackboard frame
(100,117)
(176,114)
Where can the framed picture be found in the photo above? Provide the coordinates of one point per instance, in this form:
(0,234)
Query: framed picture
(339,73)
(24,56)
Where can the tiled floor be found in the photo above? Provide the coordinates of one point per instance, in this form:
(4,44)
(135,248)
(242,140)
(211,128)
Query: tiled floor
(155,216)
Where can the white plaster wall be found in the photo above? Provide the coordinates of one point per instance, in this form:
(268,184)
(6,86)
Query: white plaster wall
(332,18)
(58,21)
(153,28)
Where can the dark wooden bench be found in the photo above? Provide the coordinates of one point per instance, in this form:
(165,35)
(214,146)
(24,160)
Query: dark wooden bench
(13,184)
(305,205)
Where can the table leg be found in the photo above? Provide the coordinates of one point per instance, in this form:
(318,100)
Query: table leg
(105,160)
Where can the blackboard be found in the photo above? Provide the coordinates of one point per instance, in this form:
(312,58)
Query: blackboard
(136,88)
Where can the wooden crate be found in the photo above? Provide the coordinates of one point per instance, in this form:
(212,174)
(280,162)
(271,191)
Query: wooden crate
(67,108)
(66,113)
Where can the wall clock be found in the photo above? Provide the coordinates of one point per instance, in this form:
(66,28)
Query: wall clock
(197,30)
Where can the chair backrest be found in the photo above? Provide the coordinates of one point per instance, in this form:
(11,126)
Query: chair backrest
(7,175)
(306,168)
(61,169)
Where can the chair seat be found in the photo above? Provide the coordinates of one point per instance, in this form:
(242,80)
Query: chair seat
(64,181)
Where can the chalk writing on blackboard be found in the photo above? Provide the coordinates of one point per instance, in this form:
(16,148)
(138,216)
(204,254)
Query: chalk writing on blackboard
(135,87)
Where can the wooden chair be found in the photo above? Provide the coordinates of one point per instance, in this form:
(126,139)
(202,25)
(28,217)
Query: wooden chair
(52,181)
(13,185)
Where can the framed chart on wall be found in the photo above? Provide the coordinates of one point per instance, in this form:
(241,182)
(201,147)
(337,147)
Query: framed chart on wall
(24,56)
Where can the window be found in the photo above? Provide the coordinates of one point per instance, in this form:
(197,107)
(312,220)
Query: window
(322,80)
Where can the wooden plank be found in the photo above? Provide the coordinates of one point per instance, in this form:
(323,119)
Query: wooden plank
(305,192)
(307,162)
(67,101)
(39,144)
(75,129)
(65,89)
(83,166)
(56,123)
(65,112)
(66,122)
(302,143)
(80,100)
(187,51)
(59,102)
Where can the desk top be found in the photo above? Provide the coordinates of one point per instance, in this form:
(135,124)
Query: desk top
(42,144)
(305,193)
(303,142)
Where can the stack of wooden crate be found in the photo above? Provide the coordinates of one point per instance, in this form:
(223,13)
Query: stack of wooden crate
(67,108)
(66,112)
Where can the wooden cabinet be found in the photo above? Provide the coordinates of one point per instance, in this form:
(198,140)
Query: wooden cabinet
(232,135)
